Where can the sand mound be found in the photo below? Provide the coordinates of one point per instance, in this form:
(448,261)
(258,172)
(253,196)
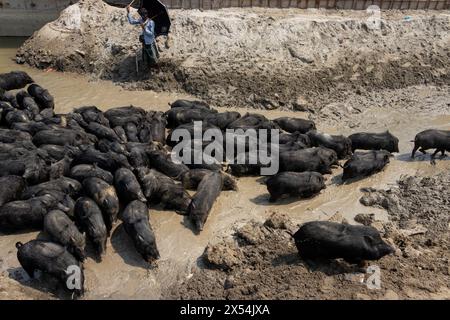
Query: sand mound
(267,58)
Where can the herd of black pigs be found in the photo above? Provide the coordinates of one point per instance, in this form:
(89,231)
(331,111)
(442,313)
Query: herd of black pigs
(75,175)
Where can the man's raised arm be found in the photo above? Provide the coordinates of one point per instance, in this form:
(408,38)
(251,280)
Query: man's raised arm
(132,20)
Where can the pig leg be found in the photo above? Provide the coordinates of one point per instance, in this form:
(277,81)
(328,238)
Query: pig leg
(433,161)
(414,150)
(422,150)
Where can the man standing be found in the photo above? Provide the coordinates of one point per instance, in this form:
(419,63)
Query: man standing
(150,52)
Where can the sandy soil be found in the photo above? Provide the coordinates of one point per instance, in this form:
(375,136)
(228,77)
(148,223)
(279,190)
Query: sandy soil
(358,80)
(264,58)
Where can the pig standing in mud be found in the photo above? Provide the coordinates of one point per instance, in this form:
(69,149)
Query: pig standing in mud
(106,198)
(432,139)
(301,184)
(159,188)
(332,240)
(137,226)
(207,192)
(53,259)
(89,219)
(127,186)
(374,141)
(63,230)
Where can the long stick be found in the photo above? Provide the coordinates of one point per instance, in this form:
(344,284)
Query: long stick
(131,3)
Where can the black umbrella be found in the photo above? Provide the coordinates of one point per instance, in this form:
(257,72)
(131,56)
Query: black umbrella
(159,14)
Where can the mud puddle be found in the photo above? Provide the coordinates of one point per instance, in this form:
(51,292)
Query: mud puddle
(123,275)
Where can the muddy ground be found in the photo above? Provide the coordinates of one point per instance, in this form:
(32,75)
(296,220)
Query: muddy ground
(260,261)
(355,80)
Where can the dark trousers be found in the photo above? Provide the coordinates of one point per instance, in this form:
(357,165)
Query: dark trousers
(150,54)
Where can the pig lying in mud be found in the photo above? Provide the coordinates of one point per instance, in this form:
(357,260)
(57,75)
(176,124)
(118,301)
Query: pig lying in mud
(138,153)
(190,127)
(189,104)
(52,259)
(32,127)
(332,240)
(105,145)
(432,139)
(294,137)
(192,178)
(57,152)
(365,164)
(41,96)
(106,198)
(109,161)
(295,184)
(207,192)
(23,215)
(374,141)
(222,120)
(102,132)
(127,186)
(65,185)
(89,218)
(159,188)
(179,116)
(163,163)
(59,137)
(32,167)
(136,223)
(14,80)
(91,114)
(292,125)
(342,145)
(63,230)
(12,187)
(253,121)
(311,159)
(249,168)
(84,171)
(12,136)
(119,117)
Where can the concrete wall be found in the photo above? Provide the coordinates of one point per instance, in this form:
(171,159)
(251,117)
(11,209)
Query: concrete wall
(23,17)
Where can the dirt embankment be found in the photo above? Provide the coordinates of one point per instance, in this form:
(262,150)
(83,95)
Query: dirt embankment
(260,260)
(264,58)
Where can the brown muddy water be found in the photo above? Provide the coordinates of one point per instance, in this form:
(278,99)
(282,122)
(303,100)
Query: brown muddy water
(122,274)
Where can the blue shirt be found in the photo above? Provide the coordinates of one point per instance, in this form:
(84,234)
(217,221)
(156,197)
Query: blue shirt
(149,29)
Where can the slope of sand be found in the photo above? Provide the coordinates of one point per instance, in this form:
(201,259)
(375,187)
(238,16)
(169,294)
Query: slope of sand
(265,58)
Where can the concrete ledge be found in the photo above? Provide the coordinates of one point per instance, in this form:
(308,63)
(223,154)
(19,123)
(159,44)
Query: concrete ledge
(22,23)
